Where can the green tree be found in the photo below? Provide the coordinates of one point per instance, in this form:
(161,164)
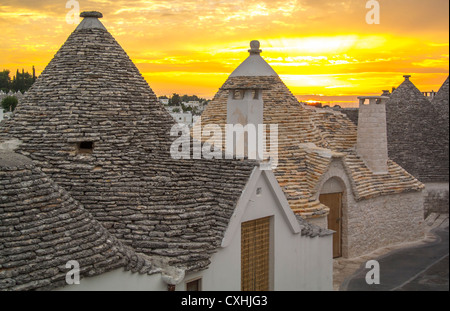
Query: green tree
(5,81)
(22,81)
(175,100)
(185,98)
(9,103)
(185,109)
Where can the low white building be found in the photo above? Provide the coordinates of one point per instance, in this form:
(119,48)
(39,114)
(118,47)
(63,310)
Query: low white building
(299,255)
(164,101)
(192,104)
(183,117)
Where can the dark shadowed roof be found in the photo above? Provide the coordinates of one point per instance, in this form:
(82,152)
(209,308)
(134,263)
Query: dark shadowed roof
(42,228)
(441,107)
(418,131)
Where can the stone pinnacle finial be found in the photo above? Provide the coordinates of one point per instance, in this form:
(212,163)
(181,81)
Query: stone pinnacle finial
(255,45)
(91,14)
(407,77)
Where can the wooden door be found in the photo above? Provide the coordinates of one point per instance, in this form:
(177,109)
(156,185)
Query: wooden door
(255,247)
(334,202)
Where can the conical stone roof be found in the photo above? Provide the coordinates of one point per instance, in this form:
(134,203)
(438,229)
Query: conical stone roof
(415,138)
(42,228)
(97,129)
(441,97)
(309,139)
(440,105)
(90,91)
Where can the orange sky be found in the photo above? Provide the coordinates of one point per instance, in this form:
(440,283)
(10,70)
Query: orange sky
(318,47)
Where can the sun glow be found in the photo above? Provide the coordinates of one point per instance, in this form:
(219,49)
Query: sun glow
(188,46)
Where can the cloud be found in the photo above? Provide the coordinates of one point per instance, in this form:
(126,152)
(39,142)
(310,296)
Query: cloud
(210,38)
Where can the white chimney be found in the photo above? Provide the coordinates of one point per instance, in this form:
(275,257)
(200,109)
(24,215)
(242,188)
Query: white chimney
(245,108)
(372,133)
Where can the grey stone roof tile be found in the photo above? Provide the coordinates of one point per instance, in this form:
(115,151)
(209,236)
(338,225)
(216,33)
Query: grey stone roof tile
(418,132)
(92,92)
(309,139)
(40,233)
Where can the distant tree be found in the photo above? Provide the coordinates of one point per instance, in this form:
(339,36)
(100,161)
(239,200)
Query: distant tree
(9,103)
(177,110)
(185,109)
(185,98)
(5,81)
(175,100)
(22,81)
(163,97)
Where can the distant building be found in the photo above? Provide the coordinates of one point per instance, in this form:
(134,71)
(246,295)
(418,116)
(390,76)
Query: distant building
(183,118)
(429,95)
(193,104)
(164,101)
(18,95)
(171,109)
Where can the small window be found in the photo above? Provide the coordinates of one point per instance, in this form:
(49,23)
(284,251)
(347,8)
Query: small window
(194,285)
(238,94)
(85,147)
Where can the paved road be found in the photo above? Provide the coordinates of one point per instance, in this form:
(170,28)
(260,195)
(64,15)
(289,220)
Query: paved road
(420,268)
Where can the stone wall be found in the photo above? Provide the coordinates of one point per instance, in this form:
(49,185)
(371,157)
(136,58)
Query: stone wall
(370,224)
(383,221)
(436,198)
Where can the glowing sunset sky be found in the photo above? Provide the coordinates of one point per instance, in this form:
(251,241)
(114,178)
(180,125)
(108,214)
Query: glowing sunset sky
(191,46)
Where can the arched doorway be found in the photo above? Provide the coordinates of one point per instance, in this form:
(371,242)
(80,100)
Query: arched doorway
(332,195)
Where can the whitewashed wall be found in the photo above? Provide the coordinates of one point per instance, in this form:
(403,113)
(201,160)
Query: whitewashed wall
(297,262)
(119,280)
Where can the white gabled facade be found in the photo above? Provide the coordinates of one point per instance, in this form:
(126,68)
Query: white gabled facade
(297,262)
